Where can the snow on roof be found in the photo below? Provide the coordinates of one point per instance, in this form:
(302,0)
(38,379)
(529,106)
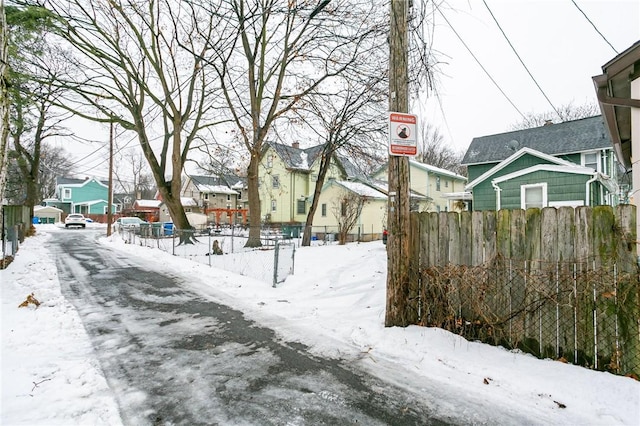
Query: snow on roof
(304,161)
(216,189)
(148,203)
(188,202)
(362,189)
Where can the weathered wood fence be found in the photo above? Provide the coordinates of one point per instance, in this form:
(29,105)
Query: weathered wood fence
(559,283)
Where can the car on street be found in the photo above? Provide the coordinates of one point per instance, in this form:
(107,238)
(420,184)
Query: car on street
(75,219)
(129,223)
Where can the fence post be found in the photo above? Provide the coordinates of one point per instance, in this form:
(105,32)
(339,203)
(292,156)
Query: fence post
(275,263)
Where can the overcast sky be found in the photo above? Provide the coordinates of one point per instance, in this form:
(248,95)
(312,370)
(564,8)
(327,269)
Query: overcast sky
(554,39)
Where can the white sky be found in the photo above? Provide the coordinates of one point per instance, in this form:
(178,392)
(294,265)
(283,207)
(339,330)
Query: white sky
(555,41)
(559,46)
(334,303)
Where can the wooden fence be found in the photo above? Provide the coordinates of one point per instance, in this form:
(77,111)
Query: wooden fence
(559,283)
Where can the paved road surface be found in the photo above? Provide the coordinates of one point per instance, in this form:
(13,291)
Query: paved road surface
(172,357)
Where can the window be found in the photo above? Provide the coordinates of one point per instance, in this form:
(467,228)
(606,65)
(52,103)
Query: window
(66,193)
(275,181)
(270,161)
(302,207)
(273,205)
(228,197)
(446,183)
(590,159)
(323,207)
(437,183)
(205,195)
(533,196)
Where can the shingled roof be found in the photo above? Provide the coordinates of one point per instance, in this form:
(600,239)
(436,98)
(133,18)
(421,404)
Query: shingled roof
(554,139)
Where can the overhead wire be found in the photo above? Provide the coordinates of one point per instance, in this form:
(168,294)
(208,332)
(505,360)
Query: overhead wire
(594,26)
(520,59)
(480,64)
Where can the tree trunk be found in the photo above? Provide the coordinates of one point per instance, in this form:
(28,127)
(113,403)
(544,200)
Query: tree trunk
(325,162)
(255,215)
(4,104)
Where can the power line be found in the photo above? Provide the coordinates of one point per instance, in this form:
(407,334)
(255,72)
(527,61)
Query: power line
(479,63)
(594,26)
(520,59)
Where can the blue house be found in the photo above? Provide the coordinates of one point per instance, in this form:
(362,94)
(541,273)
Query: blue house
(86,196)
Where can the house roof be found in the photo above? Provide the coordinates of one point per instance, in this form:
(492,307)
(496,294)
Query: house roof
(296,158)
(570,137)
(613,88)
(78,182)
(513,157)
(214,184)
(148,203)
(360,188)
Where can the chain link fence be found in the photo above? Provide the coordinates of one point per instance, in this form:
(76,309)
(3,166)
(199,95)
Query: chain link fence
(586,313)
(221,248)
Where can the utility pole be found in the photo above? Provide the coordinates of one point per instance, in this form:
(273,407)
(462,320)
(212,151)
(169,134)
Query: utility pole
(398,312)
(110,196)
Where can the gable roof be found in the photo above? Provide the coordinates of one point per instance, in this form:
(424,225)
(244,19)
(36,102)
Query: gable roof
(296,158)
(214,184)
(359,188)
(78,182)
(522,152)
(555,139)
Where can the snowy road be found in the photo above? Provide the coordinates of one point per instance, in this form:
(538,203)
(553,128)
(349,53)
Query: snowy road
(172,357)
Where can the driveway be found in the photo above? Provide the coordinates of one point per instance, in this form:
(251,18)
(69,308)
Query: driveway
(173,357)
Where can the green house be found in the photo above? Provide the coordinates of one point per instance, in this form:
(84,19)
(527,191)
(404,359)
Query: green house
(86,196)
(566,164)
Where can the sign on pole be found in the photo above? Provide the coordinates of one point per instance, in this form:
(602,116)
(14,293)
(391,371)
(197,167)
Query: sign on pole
(403,134)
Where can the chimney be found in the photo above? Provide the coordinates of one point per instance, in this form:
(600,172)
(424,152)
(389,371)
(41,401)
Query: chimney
(548,123)
(296,145)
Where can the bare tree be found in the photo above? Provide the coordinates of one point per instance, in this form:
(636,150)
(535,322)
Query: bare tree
(435,151)
(351,122)
(564,113)
(274,56)
(143,68)
(347,209)
(131,173)
(4,103)
(34,66)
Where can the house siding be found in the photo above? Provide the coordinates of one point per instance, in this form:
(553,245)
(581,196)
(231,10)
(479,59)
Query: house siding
(424,182)
(294,186)
(372,219)
(560,187)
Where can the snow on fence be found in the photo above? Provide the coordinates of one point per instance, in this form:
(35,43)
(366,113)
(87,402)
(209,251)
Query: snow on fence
(557,283)
(272,263)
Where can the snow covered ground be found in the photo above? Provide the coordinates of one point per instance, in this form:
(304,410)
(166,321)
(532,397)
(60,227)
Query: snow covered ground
(334,303)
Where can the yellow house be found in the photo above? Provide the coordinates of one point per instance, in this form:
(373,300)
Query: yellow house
(331,208)
(287,176)
(441,187)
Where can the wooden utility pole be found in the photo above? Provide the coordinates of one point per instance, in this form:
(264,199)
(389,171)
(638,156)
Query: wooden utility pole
(398,312)
(110,196)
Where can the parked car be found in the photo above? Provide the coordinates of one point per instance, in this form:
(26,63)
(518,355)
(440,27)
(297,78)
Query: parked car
(129,223)
(75,219)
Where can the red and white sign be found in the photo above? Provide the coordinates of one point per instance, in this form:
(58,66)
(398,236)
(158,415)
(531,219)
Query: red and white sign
(403,139)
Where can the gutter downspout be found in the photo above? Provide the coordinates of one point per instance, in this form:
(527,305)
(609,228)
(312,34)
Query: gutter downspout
(498,190)
(588,187)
